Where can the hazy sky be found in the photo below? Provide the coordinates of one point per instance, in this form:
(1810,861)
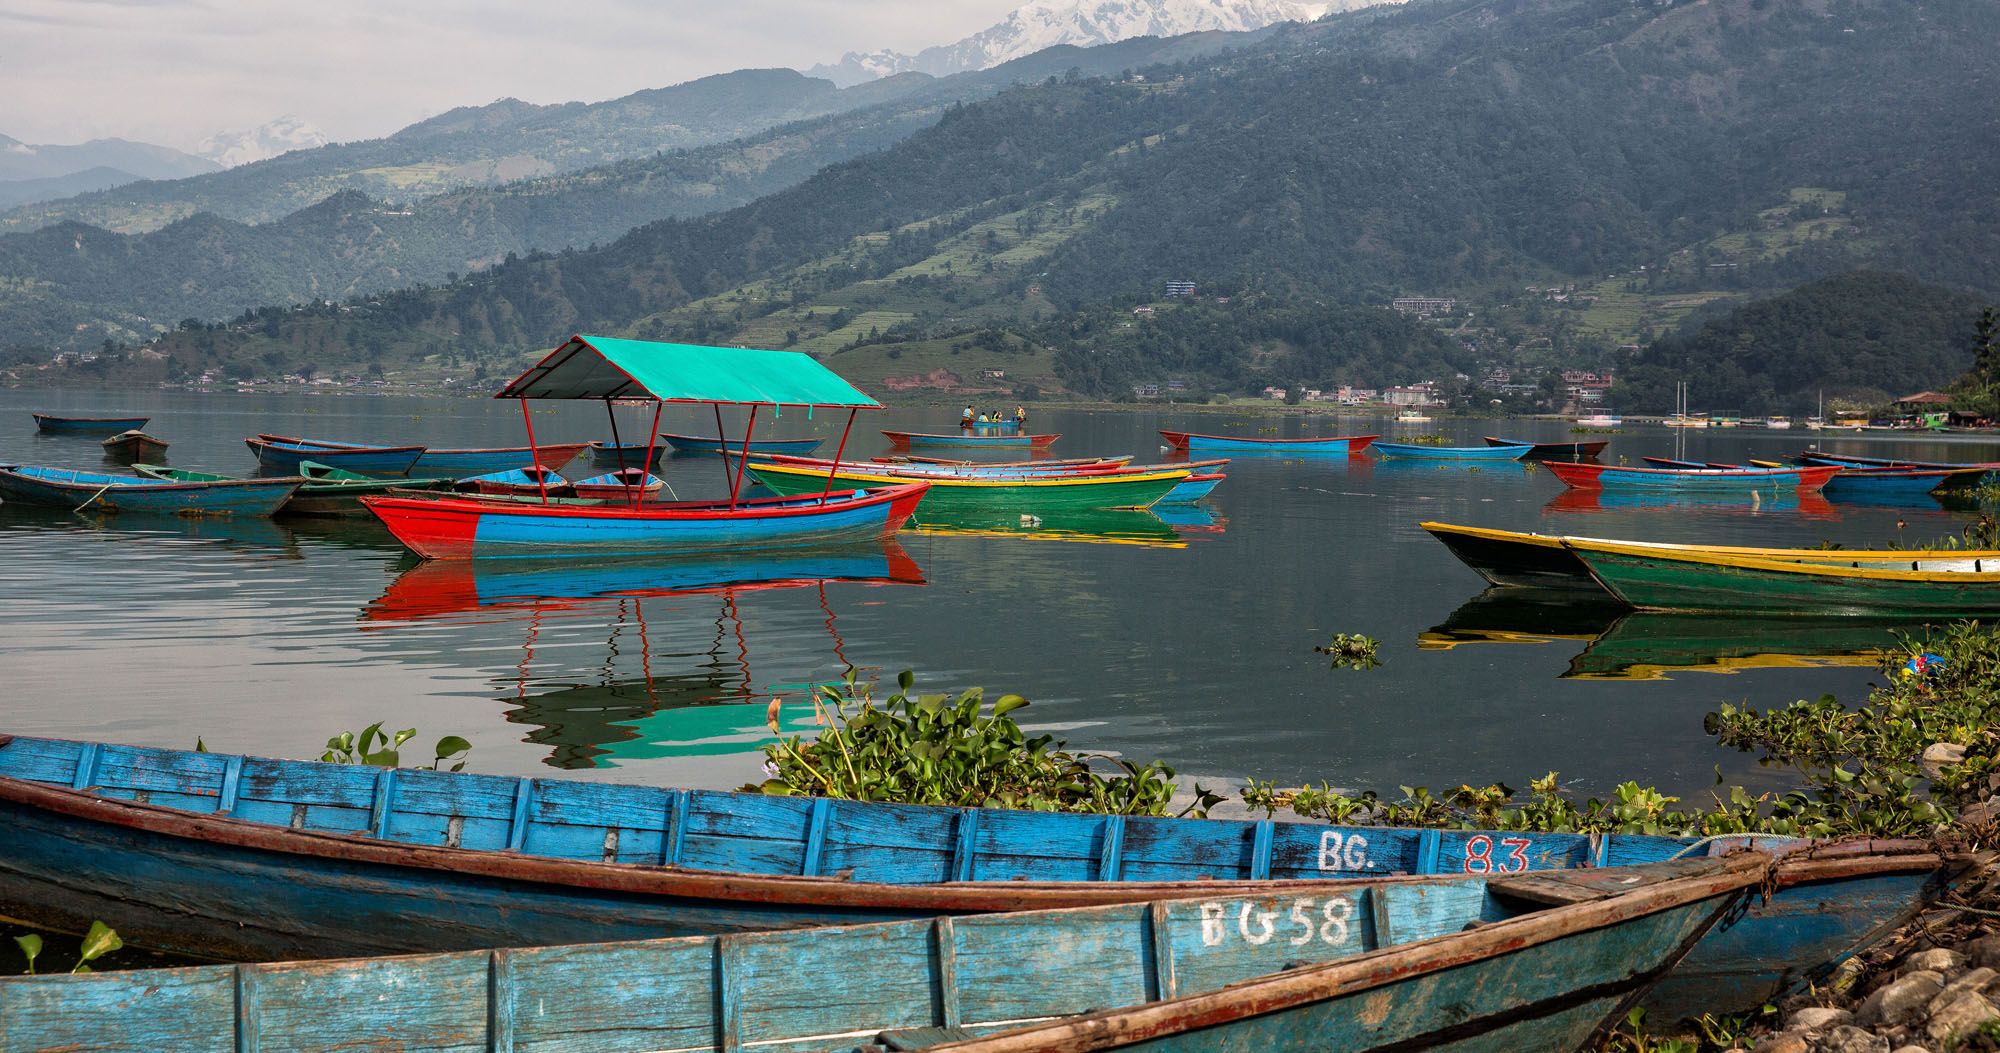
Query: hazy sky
(174,71)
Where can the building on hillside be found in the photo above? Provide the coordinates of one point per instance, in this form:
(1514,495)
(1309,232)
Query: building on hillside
(1142,309)
(1424,394)
(1353,396)
(1585,388)
(1180,288)
(1275,393)
(992,374)
(1922,401)
(1423,306)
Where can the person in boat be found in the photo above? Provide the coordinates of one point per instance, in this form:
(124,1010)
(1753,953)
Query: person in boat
(966,417)
(1021,416)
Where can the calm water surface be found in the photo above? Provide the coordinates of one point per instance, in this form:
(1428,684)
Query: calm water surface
(1189,640)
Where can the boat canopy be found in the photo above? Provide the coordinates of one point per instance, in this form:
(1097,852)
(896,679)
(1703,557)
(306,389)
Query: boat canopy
(602,367)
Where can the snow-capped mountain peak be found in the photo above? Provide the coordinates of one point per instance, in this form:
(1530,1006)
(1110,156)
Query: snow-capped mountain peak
(283,135)
(1040,24)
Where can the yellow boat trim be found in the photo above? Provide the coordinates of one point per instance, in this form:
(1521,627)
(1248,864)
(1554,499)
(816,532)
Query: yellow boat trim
(1176,475)
(1793,555)
(1732,666)
(1824,569)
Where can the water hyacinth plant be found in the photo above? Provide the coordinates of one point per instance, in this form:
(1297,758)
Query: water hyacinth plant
(940,749)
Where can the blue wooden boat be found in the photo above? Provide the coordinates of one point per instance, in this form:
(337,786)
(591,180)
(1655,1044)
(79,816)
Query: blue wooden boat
(98,492)
(1584,476)
(247,858)
(1454,453)
(706,444)
(458,463)
(1905,484)
(1535,963)
(279,456)
(1194,489)
(57,425)
(518,481)
(627,454)
(1193,442)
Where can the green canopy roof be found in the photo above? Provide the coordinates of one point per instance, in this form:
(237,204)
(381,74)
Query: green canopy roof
(602,367)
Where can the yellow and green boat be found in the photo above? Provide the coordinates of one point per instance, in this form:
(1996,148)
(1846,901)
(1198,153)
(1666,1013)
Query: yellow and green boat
(1914,583)
(1025,494)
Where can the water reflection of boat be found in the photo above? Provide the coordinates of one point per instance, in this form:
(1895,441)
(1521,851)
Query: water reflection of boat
(1644,645)
(1809,505)
(234,531)
(689,703)
(440,587)
(1116,526)
(1523,615)
(1189,520)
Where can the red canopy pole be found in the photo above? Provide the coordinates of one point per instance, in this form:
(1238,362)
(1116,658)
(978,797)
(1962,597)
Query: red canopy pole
(535,451)
(838,451)
(743,462)
(646,469)
(722,442)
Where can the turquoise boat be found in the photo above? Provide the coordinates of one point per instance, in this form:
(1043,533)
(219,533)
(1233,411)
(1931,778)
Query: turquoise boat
(1535,963)
(1194,488)
(1918,584)
(324,491)
(98,492)
(460,462)
(708,444)
(1454,453)
(911,440)
(252,859)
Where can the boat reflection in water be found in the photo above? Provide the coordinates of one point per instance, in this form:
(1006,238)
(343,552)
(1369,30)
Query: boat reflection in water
(694,700)
(1195,522)
(258,534)
(1808,506)
(1623,644)
(1113,526)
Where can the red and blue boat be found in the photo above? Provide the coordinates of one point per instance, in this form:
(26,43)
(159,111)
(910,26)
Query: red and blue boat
(58,425)
(99,492)
(912,440)
(1420,451)
(611,369)
(456,463)
(1195,442)
(1583,476)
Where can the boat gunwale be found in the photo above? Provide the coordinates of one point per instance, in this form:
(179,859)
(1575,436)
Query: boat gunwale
(970,481)
(1830,568)
(1553,541)
(752,508)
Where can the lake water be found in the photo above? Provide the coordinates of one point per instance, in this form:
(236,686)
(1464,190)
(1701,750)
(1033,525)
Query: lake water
(1190,640)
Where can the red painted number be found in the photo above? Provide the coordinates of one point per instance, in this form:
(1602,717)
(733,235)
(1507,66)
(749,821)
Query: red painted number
(1479,855)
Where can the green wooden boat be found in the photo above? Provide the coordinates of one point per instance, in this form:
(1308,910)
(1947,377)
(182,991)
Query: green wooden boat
(1025,494)
(1915,583)
(327,491)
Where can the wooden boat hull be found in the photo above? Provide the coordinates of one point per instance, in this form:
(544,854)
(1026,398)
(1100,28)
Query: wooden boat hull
(1195,442)
(321,494)
(87,491)
(287,457)
(131,446)
(407,860)
(911,440)
(628,455)
(706,444)
(1025,495)
(1453,453)
(1194,489)
(1506,557)
(55,425)
(1569,451)
(1914,485)
(454,528)
(1655,580)
(455,463)
(1705,480)
(1479,969)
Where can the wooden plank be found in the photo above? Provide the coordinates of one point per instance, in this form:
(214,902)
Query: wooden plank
(815,835)
(1166,982)
(944,949)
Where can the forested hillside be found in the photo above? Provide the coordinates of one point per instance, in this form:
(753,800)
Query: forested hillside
(1848,337)
(1452,146)
(72,285)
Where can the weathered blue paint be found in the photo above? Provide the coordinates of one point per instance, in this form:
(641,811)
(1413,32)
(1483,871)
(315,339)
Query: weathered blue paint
(98,492)
(1454,453)
(1194,442)
(1333,971)
(171,892)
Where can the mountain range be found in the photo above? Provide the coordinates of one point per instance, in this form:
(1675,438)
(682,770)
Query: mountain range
(270,139)
(1042,24)
(1465,147)
(30,172)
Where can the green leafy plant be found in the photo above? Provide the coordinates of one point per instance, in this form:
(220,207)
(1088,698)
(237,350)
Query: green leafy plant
(1351,651)
(937,749)
(101,940)
(373,746)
